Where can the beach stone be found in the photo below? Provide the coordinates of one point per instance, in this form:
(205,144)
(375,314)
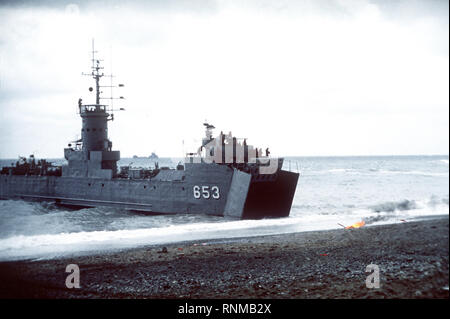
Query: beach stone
(239,275)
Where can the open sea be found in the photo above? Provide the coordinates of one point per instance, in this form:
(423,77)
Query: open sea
(332,191)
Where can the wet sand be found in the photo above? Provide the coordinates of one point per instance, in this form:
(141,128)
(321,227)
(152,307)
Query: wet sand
(413,258)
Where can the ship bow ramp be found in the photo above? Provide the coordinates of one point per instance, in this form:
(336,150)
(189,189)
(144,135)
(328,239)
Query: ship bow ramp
(237,195)
(270,197)
(259,197)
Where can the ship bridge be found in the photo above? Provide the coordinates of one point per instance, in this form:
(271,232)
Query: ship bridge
(95,159)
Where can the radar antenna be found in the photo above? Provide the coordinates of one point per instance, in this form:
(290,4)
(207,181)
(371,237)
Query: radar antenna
(97,74)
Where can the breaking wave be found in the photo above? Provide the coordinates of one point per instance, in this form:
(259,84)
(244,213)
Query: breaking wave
(393,206)
(422,173)
(131,232)
(406,204)
(406,209)
(374,171)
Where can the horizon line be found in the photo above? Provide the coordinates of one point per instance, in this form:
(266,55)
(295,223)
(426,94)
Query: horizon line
(283,156)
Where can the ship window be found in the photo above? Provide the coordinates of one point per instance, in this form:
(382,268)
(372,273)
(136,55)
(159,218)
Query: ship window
(82,130)
(103,185)
(154,187)
(145,187)
(89,184)
(182,188)
(94,129)
(88,130)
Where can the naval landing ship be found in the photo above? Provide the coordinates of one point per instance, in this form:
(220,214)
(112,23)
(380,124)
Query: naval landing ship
(225,177)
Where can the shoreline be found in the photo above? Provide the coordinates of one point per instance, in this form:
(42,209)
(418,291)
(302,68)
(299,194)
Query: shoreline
(412,258)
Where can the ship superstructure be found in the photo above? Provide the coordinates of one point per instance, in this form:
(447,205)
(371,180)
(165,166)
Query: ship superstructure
(95,158)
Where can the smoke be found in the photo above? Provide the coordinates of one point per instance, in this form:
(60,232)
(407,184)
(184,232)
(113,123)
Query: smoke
(394,206)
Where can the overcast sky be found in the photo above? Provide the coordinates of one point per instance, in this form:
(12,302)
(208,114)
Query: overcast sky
(329,77)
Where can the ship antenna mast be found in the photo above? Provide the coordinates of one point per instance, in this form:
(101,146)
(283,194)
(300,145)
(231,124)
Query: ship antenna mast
(96,74)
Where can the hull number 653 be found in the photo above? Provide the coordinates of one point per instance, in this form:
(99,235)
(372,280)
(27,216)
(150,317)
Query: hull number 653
(206,192)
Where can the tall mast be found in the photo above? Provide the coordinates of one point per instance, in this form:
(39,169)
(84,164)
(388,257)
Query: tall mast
(96,74)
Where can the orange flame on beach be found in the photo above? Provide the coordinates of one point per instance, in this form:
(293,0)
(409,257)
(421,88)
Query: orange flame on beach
(356,225)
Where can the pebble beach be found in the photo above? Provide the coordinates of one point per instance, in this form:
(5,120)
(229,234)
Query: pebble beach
(412,258)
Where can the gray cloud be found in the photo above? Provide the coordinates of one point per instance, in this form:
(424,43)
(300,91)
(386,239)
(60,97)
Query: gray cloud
(324,66)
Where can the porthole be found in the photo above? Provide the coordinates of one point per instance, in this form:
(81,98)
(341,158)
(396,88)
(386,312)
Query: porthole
(103,185)
(145,187)
(154,187)
(94,129)
(89,184)
(87,130)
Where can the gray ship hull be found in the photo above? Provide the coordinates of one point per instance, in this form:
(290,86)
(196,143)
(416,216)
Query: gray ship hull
(201,189)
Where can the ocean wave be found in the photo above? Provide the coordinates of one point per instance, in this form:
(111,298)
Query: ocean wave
(394,206)
(405,210)
(341,170)
(25,245)
(373,171)
(422,173)
(336,171)
(48,245)
(406,204)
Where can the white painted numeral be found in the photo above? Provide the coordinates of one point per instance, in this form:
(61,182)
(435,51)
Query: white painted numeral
(216,194)
(204,191)
(197,191)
